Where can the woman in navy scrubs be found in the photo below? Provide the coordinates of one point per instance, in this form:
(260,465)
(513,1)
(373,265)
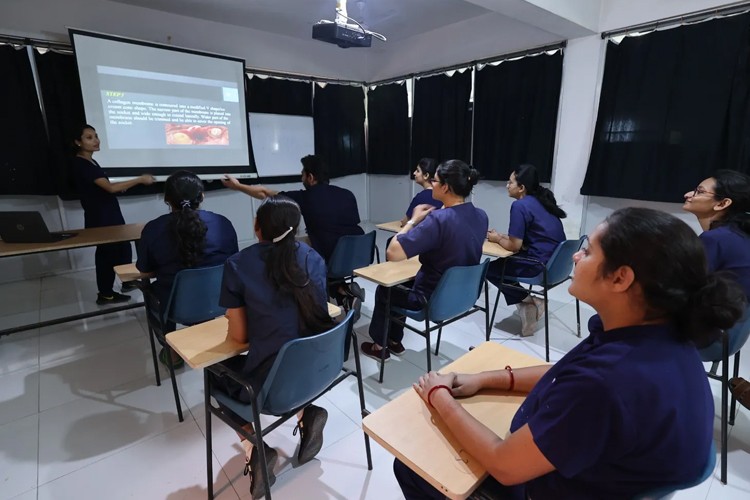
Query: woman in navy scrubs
(100,208)
(629,409)
(423,173)
(186,237)
(534,231)
(443,238)
(722,205)
(274,292)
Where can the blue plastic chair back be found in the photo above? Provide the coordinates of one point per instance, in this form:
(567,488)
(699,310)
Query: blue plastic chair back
(457,291)
(195,296)
(559,266)
(304,368)
(351,252)
(738,335)
(668,491)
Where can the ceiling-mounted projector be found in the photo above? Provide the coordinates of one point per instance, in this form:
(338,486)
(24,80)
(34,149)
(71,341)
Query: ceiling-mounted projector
(343,33)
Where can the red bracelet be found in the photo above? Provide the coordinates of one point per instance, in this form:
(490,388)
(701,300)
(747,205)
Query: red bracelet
(429,394)
(512,378)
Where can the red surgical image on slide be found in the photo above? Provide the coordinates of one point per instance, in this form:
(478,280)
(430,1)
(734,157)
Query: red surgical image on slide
(202,135)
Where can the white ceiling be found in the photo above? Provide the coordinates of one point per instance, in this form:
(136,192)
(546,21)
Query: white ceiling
(396,19)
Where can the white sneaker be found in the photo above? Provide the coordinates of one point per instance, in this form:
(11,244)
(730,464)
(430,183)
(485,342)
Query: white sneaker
(540,309)
(528,313)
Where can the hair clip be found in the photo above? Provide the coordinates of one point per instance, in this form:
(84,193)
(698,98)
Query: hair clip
(282,236)
(185,203)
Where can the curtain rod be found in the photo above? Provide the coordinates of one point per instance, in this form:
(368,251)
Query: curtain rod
(486,60)
(63,46)
(692,17)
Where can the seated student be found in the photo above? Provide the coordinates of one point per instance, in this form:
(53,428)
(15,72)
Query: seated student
(443,238)
(330,212)
(186,237)
(629,409)
(722,205)
(423,174)
(274,292)
(534,231)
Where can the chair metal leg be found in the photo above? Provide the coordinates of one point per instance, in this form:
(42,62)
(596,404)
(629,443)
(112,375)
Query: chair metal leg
(487,310)
(578,318)
(151,335)
(170,365)
(494,311)
(427,342)
(261,448)
(724,393)
(546,325)
(209,456)
(437,346)
(384,345)
(361,391)
(733,404)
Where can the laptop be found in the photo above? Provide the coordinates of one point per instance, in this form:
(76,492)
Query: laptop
(27,227)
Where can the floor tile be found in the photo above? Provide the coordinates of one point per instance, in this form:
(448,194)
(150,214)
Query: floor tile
(18,456)
(19,351)
(19,395)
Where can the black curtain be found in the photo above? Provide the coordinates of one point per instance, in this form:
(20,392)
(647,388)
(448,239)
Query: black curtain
(441,124)
(280,97)
(673,108)
(515,115)
(339,120)
(63,108)
(388,130)
(25,158)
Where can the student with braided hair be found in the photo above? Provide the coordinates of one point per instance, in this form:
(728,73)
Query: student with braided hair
(186,237)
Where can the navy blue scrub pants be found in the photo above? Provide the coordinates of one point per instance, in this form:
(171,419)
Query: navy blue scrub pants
(106,258)
(399,298)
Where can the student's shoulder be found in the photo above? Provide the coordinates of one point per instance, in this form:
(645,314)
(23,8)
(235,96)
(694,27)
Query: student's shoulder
(156,225)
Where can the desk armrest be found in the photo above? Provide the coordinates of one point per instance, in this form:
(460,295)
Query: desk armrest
(222,371)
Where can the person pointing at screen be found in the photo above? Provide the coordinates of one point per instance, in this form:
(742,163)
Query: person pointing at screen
(101,208)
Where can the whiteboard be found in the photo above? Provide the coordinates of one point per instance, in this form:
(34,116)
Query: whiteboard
(280,141)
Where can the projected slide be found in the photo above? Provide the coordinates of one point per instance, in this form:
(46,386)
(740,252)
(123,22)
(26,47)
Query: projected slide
(159,108)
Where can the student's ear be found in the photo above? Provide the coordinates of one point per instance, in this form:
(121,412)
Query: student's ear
(622,278)
(723,204)
(256,228)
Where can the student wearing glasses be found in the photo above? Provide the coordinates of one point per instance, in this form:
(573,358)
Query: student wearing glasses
(534,232)
(627,411)
(722,205)
(443,238)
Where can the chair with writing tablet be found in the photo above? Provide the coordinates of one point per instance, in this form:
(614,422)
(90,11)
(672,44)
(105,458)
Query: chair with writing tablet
(454,298)
(304,369)
(194,299)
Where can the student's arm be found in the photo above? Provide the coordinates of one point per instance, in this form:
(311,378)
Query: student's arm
(511,461)
(394,251)
(524,379)
(118,187)
(507,242)
(237,329)
(259,192)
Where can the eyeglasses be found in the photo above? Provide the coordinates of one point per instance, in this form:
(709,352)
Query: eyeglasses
(433,181)
(700,190)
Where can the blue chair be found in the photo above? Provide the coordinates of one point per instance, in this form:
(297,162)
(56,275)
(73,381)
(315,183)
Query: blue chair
(454,297)
(729,344)
(350,253)
(668,492)
(194,298)
(557,270)
(304,370)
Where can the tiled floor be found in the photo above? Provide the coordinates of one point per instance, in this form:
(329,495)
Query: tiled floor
(80,416)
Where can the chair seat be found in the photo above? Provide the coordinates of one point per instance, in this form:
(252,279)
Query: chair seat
(415,315)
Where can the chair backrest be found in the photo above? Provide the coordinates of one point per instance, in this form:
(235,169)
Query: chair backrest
(668,491)
(738,335)
(457,291)
(195,296)
(560,264)
(351,252)
(304,368)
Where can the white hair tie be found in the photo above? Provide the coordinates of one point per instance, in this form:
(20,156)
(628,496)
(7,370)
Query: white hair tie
(279,238)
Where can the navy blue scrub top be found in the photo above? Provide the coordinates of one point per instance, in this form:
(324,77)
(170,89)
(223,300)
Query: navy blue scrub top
(626,411)
(100,208)
(158,251)
(272,318)
(424,197)
(445,238)
(728,249)
(540,230)
(330,212)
